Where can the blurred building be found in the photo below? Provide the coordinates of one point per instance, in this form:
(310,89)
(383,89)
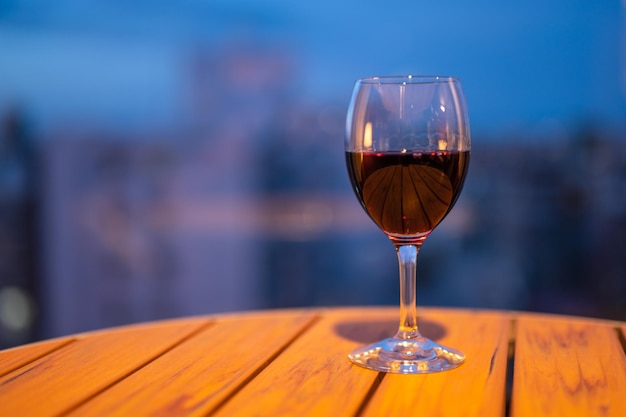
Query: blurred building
(20,262)
(188,159)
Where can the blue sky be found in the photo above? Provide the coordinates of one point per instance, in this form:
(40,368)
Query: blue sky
(521,63)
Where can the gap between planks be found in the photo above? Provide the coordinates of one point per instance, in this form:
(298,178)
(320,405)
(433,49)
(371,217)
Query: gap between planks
(312,321)
(18,365)
(510,367)
(621,336)
(370,394)
(182,340)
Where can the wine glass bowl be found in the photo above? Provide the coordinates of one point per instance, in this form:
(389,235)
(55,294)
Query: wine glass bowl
(407,151)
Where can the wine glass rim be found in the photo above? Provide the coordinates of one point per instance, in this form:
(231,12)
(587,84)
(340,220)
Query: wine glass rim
(408,79)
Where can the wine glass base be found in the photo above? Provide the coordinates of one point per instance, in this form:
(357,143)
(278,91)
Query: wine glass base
(407,356)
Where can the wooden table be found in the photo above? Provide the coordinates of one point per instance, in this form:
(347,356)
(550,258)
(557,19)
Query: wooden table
(293,363)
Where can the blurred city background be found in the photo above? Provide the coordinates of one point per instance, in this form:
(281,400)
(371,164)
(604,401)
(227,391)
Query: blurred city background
(161,159)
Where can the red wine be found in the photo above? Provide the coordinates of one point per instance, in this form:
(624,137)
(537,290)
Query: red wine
(407,194)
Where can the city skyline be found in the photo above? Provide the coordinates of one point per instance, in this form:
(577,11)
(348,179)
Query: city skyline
(162,143)
(123,64)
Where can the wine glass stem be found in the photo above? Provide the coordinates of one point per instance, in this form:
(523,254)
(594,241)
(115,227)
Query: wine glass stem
(407,259)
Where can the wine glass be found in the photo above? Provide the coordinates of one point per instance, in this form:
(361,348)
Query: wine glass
(407,150)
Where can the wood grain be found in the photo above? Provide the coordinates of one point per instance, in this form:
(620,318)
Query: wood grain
(12,359)
(565,367)
(63,379)
(294,363)
(476,388)
(195,377)
(314,377)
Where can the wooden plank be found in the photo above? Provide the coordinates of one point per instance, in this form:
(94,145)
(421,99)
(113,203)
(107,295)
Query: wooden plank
(568,368)
(476,388)
(196,376)
(11,359)
(314,376)
(72,374)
